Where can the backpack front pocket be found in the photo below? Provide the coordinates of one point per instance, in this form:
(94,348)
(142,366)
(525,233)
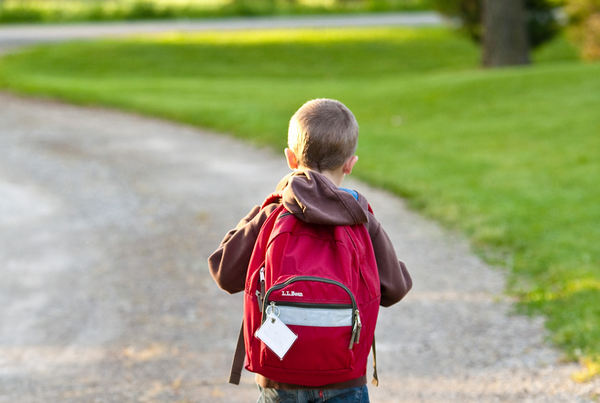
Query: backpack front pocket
(324,316)
(323,339)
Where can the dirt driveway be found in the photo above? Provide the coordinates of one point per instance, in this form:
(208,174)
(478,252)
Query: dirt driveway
(106,221)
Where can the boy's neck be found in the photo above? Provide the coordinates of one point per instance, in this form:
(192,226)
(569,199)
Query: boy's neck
(336,176)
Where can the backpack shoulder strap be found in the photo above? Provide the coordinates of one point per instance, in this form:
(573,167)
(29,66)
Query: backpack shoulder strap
(238,359)
(274,197)
(375,380)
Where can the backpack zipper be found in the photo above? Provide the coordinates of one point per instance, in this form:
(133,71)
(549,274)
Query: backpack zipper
(310,278)
(310,305)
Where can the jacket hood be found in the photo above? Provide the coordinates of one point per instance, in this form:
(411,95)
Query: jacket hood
(315,199)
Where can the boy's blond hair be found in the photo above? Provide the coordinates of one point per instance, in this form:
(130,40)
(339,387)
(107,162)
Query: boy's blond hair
(323,134)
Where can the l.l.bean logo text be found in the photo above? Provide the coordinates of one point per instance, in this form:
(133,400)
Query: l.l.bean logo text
(291,294)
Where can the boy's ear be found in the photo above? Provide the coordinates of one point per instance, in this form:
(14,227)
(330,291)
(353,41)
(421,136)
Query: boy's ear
(291,158)
(349,164)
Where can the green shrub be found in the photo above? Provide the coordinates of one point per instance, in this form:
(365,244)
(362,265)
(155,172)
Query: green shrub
(584,18)
(21,14)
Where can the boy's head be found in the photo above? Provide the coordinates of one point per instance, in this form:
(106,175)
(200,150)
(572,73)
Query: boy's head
(323,135)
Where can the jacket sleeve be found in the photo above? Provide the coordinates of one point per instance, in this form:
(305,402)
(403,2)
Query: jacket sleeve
(393,276)
(229,263)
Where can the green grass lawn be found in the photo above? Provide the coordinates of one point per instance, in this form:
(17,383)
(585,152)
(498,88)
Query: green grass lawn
(509,157)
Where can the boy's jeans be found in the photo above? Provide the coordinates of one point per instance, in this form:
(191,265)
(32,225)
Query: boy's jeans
(359,394)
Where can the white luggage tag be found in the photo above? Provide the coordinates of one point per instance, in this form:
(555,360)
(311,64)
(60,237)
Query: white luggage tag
(275,334)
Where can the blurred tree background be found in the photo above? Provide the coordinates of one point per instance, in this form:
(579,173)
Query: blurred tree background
(506,29)
(543,20)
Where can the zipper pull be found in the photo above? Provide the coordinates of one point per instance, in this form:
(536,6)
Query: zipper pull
(359,327)
(262,283)
(259,300)
(274,314)
(353,337)
(260,294)
(356,327)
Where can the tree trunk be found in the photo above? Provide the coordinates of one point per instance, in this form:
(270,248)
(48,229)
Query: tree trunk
(505,41)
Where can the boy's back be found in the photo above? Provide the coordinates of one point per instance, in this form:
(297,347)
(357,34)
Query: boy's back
(316,199)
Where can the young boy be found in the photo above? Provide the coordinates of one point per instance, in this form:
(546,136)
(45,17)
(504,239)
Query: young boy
(322,140)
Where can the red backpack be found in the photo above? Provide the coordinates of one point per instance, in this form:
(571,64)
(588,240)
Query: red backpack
(322,282)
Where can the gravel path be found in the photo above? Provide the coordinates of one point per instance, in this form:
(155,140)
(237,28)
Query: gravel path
(106,220)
